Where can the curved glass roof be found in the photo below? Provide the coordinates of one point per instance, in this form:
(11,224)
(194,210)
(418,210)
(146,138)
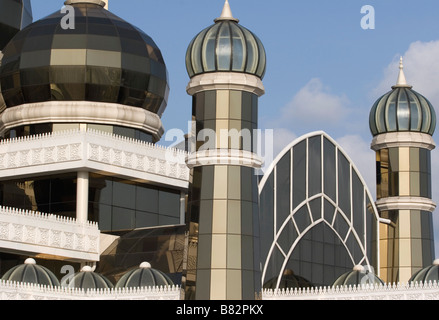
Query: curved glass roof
(226,46)
(402,109)
(144,276)
(14,15)
(102,58)
(317,215)
(30,272)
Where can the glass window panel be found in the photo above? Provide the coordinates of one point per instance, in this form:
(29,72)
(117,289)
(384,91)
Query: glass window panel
(393,159)
(124,194)
(329,211)
(252,52)
(316,209)
(35,59)
(427,120)
(390,114)
(147,199)
(415,112)
(299,173)
(403,112)
(262,59)
(169,203)
(302,218)
(239,49)
(69,41)
(329,169)
(266,218)
(123,219)
(358,204)
(287,236)
(344,184)
(224,47)
(283,194)
(314,166)
(209,49)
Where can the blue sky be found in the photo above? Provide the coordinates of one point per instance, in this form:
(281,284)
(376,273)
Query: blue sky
(324,70)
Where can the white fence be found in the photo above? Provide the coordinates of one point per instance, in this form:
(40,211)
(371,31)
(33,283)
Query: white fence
(412,291)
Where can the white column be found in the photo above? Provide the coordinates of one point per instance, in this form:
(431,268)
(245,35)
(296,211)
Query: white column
(82,196)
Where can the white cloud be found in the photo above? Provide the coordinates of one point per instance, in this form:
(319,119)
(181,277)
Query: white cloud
(314,104)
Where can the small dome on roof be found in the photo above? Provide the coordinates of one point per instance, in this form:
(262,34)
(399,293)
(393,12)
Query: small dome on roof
(144,276)
(359,275)
(289,281)
(87,279)
(30,272)
(402,109)
(430,273)
(226,46)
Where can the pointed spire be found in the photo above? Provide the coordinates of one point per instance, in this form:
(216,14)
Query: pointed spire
(402,82)
(226,14)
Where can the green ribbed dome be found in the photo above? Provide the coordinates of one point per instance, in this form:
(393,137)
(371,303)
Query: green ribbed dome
(226,46)
(30,272)
(430,273)
(144,276)
(359,275)
(87,279)
(402,109)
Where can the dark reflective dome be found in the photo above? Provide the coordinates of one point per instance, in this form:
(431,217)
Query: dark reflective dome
(430,273)
(226,46)
(289,280)
(144,276)
(358,276)
(30,272)
(87,279)
(14,15)
(103,59)
(402,109)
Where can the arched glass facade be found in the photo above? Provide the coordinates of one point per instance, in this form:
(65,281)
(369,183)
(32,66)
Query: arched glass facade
(317,217)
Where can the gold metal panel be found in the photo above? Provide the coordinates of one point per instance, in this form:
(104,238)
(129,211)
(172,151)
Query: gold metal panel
(219,251)
(222,104)
(219,218)
(234,217)
(68,57)
(234,285)
(218,285)
(404,183)
(104,58)
(404,159)
(234,252)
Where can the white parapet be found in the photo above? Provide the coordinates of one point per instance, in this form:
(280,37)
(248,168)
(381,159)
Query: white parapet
(412,291)
(26,291)
(35,233)
(76,150)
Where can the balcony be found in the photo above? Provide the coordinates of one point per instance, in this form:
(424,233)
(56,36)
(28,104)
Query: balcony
(91,150)
(39,234)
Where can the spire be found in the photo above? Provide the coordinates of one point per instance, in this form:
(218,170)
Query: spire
(227,13)
(402,82)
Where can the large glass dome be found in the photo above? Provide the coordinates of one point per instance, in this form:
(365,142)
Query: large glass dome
(14,15)
(87,279)
(226,46)
(358,276)
(102,58)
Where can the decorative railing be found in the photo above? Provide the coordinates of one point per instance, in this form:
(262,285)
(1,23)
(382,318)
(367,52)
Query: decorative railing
(35,232)
(27,291)
(411,291)
(95,150)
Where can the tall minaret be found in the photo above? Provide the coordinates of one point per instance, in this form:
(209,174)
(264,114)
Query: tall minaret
(402,123)
(226,64)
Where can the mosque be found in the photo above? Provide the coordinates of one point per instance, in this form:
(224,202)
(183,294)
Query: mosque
(93,208)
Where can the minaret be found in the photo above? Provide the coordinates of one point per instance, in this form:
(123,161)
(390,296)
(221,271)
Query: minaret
(402,123)
(226,63)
